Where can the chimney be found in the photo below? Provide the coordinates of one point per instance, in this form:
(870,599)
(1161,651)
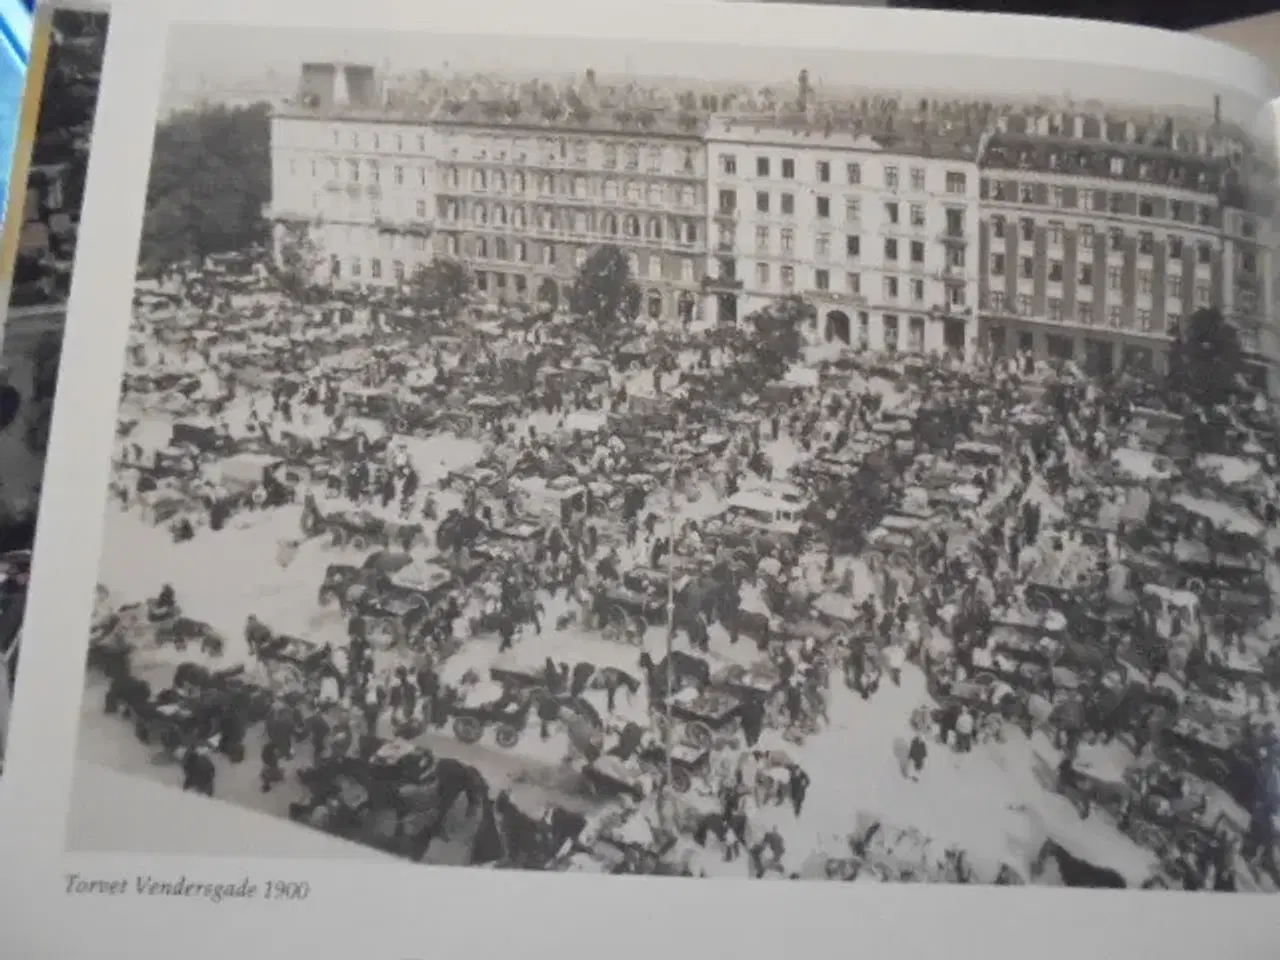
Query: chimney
(317,85)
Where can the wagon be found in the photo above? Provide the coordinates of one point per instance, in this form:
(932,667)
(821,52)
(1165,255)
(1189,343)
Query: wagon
(507,713)
(704,714)
(1099,781)
(516,676)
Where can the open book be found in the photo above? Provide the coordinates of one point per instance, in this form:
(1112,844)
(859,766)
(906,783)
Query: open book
(726,442)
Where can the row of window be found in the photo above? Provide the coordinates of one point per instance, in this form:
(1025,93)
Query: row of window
(894,288)
(1114,202)
(579,188)
(895,249)
(1145,280)
(627,226)
(1056,230)
(954,181)
(499,284)
(1024,306)
(890,329)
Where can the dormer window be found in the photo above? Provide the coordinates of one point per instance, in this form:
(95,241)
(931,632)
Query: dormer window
(1117,166)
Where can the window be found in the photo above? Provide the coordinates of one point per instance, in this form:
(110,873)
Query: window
(788,240)
(610,156)
(917,215)
(822,246)
(1146,207)
(891,178)
(853,283)
(1057,197)
(853,174)
(917,291)
(728,201)
(997,227)
(824,208)
(762,239)
(632,161)
(355,267)
(1115,277)
(891,211)
(890,333)
(1175,287)
(1026,193)
(1146,243)
(1055,271)
(917,179)
(1204,253)
(1026,268)
(1202,294)
(1117,166)
(1144,321)
(1084,313)
(956,182)
(762,275)
(822,280)
(522,251)
(397,270)
(1144,282)
(335,264)
(1055,310)
(823,170)
(1172,320)
(1027,229)
(1086,237)
(728,164)
(1084,277)
(788,169)
(997,265)
(397,175)
(653,159)
(1113,316)
(1024,305)
(997,301)
(917,251)
(852,210)
(353,171)
(891,288)
(762,201)
(1055,233)
(891,250)
(788,275)
(762,166)
(853,245)
(788,202)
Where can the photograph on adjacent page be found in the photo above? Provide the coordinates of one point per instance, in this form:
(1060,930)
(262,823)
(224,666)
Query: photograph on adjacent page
(637,459)
(33,327)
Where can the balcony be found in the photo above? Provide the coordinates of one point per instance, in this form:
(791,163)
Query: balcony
(953,237)
(410,228)
(721,284)
(726,216)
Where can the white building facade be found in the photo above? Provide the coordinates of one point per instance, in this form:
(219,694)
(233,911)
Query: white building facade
(882,242)
(361,183)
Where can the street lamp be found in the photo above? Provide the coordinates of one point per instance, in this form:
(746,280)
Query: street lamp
(668,736)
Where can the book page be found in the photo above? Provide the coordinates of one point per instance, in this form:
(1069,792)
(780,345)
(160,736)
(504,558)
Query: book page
(671,441)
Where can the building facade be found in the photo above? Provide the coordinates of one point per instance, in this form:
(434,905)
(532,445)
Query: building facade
(881,241)
(358,181)
(1100,234)
(524,203)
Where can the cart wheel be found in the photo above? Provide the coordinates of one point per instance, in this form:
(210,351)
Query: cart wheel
(680,780)
(1037,601)
(468,729)
(698,735)
(899,560)
(358,542)
(507,736)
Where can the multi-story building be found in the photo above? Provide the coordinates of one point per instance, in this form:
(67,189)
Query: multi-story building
(524,199)
(1101,233)
(880,235)
(359,178)
(1248,242)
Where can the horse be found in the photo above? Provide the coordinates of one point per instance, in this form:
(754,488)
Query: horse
(125,695)
(680,668)
(729,831)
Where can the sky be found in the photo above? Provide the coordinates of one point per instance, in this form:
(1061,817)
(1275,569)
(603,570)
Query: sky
(216,54)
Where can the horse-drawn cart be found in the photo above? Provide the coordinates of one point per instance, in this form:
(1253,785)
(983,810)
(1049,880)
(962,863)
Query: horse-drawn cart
(704,715)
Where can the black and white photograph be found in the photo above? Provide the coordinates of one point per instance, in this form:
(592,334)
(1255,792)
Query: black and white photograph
(34,326)
(674,459)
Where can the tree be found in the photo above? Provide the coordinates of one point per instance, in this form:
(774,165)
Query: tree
(778,338)
(297,259)
(604,293)
(1206,360)
(210,179)
(441,287)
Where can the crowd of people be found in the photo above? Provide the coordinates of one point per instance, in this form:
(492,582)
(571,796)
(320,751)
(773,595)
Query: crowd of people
(666,568)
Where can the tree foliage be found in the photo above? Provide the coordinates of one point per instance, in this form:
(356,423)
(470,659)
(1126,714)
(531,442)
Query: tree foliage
(1206,361)
(778,334)
(441,287)
(298,258)
(604,293)
(210,179)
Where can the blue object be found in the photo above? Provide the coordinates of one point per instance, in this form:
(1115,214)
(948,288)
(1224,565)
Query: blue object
(16,28)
